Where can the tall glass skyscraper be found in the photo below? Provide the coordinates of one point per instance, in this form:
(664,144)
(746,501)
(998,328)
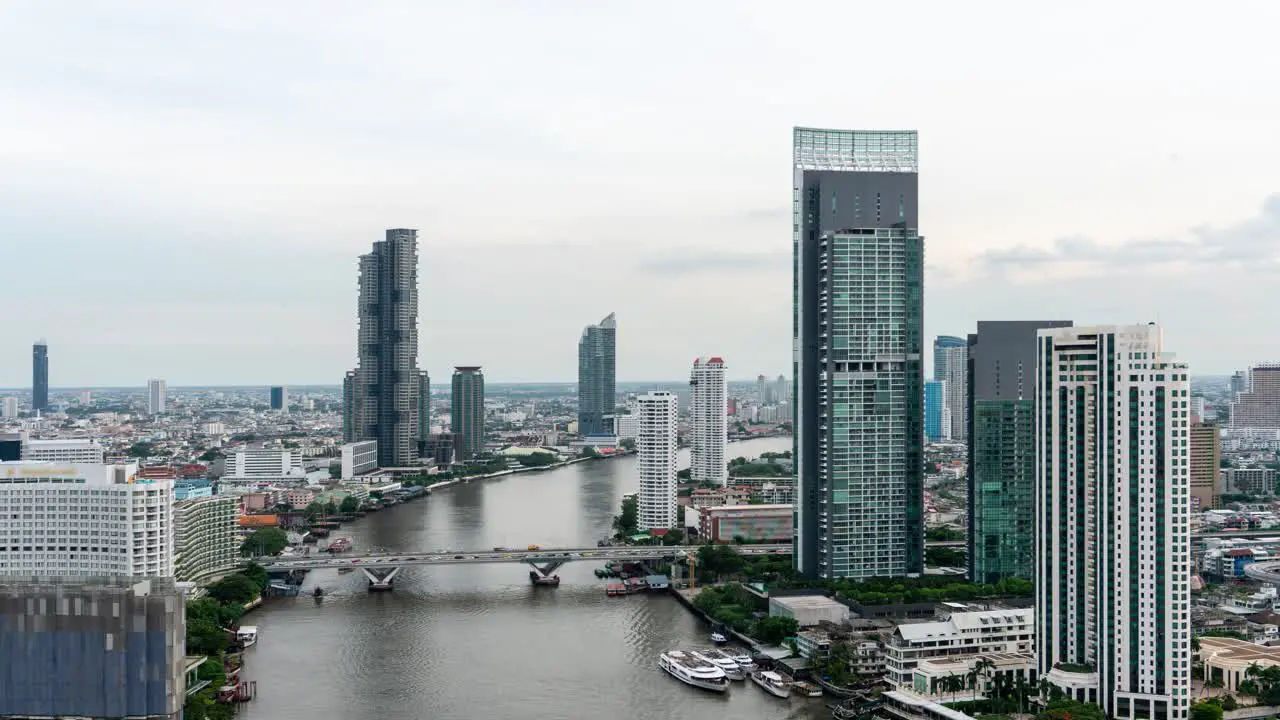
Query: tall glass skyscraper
(1002,450)
(858,342)
(383,391)
(937,419)
(466,410)
(597,377)
(40,376)
(950,364)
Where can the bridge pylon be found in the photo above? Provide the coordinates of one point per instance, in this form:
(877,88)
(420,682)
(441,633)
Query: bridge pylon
(380,579)
(544,569)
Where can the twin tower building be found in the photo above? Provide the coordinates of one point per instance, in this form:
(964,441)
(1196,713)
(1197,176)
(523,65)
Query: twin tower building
(1078,437)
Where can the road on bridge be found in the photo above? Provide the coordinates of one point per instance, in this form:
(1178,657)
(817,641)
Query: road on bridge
(463,557)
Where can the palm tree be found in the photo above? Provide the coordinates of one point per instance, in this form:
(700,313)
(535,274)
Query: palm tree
(982,667)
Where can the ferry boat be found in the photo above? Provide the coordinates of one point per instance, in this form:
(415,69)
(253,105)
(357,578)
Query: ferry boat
(724,661)
(772,682)
(806,689)
(691,669)
(247,635)
(743,659)
(718,639)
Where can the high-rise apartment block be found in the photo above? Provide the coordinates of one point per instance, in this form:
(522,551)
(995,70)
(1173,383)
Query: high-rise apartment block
(40,376)
(1000,396)
(858,316)
(424,412)
(79,520)
(1113,563)
(709,409)
(764,392)
(597,377)
(1206,460)
(657,443)
(280,398)
(65,450)
(155,397)
(1258,404)
(1239,382)
(380,397)
(951,365)
(466,410)
(206,542)
(937,417)
(102,647)
(9,408)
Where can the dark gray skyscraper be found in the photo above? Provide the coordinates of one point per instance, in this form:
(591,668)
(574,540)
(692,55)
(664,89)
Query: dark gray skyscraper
(597,377)
(424,412)
(280,398)
(383,391)
(858,322)
(1002,449)
(466,410)
(40,376)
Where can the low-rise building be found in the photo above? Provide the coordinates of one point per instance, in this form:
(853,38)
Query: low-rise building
(978,672)
(1249,481)
(748,522)
(963,633)
(206,541)
(1227,660)
(192,489)
(809,610)
(906,705)
(78,450)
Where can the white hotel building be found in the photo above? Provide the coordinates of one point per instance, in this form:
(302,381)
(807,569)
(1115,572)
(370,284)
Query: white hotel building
(708,410)
(656,446)
(83,450)
(1112,505)
(69,519)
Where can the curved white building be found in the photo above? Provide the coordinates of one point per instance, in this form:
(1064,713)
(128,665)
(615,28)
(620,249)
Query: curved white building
(656,446)
(205,538)
(709,411)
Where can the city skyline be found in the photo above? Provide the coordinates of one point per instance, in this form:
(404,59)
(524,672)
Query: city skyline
(279,187)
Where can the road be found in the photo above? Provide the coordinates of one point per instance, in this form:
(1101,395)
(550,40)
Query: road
(542,555)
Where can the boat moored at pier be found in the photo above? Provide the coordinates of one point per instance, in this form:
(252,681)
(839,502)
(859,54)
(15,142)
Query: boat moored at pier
(692,669)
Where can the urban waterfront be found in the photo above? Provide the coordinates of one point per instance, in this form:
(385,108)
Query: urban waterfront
(479,640)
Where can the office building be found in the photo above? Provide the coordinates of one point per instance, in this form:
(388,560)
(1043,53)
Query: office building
(81,520)
(106,647)
(1258,405)
(1002,451)
(206,542)
(262,466)
(380,397)
(358,458)
(951,365)
(754,523)
(937,417)
(280,398)
(9,408)
(708,421)
(77,450)
(466,411)
(1255,481)
(155,397)
(627,426)
(656,448)
(858,339)
(424,412)
(442,448)
(1205,453)
(40,376)
(597,377)
(1112,500)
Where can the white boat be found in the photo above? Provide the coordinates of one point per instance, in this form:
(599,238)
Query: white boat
(718,639)
(772,682)
(247,635)
(743,659)
(724,661)
(692,669)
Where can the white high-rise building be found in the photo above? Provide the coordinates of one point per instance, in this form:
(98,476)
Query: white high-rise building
(1112,508)
(261,465)
(80,519)
(77,450)
(709,408)
(206,541)
(656,446)
(9,410)
(155,397)
(955,372)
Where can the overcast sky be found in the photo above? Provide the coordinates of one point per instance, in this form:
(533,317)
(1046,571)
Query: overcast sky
(185,187)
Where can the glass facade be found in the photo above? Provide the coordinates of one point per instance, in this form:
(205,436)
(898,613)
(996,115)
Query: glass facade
(1004,462)
(597,377)
(935,409)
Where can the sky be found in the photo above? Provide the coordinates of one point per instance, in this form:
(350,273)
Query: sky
(185,187)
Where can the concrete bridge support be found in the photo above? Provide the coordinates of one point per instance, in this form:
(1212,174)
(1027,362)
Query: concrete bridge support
(380,579)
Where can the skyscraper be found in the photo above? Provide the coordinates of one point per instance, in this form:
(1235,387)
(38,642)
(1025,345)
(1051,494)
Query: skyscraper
(1112,555)
(466,410)
(1205,452)
(1002,451)
(280,398)
(764,394)
(1239,382)
(781,390)
(937,418)
(424,412)
(350,422)
(951,365)
(155,397)
(597,377)
(383,392)
(708,393)
(858,307)
(656,447)
(40,376)
(10,408)
(1258,404)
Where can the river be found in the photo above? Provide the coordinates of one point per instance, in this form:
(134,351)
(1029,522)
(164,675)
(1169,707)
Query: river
(478,641)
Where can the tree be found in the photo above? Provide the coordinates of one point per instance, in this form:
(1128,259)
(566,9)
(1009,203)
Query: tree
(141,450)
(626,524)
(209,455)
(264,541)
(537,459)
(257,574)
(233,589)
(1063,709)
(774,630)
(349,504)
(331,507)
(628,444)
(205,638)
(1206,711)
(1229,703)
(673,537)
(313,511)
(335,471)
(589,452)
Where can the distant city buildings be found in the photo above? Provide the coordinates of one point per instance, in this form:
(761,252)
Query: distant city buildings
(1258,404)
(123,524)
(380,397)
(466,411)
(155,397)
(858,309)
(1205,453)
(1002,448)
(40,376)
(656,456)
(1255,481)
(597,377)
(781,390)
(9,408)
(937,417)
(950,365)
(708,392)
(106,647)
(206,542)
(280,398)
(1113,559)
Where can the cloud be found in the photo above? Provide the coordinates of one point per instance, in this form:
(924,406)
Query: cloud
(1253,243)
